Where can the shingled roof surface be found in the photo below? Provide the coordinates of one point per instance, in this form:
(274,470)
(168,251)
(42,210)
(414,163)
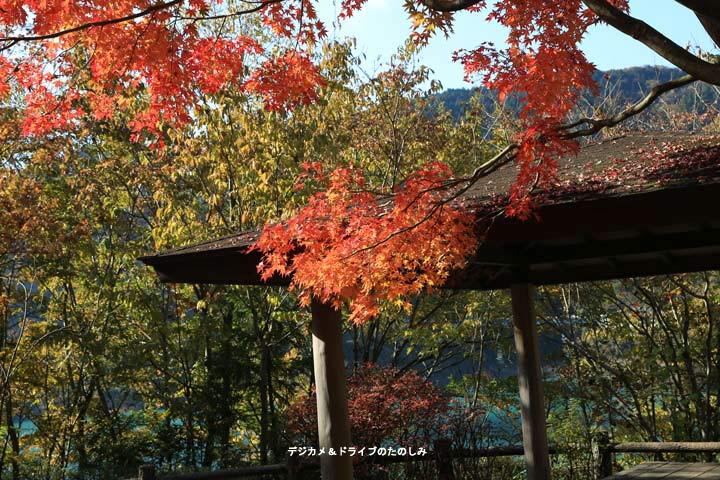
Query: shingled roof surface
(624,165)
(235,241)
(627,164)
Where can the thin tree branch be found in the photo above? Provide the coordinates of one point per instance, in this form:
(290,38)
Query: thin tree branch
(449,5)
(86,26)
(507,154)
(237,13)
(503,157)
(594,125)
(9,42)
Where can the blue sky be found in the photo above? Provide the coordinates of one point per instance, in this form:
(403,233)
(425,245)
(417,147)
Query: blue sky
(382,26)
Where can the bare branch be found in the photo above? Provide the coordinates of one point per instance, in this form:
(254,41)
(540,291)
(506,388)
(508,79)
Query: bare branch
(594,125)
(449,5)
(237,13)
(656,41)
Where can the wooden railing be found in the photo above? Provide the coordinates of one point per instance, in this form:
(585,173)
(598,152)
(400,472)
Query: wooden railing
(147,472)
(602,455)
(442,455)
(603,451)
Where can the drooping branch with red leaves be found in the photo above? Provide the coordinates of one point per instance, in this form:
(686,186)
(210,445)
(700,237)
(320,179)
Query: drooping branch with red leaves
(349,244)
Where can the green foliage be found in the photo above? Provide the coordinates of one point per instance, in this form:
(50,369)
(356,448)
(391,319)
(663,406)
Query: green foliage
(640,358)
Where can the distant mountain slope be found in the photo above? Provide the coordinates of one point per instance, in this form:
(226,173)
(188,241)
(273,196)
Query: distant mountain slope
(622,87)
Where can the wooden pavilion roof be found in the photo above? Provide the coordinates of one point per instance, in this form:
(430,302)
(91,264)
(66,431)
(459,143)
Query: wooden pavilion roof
(635,205)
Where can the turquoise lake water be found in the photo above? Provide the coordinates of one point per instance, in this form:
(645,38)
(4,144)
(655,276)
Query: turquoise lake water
(27,427)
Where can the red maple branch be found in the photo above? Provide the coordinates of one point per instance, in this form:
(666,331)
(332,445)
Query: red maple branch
(13,40)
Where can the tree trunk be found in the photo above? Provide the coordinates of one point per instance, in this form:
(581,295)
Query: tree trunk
(14,438)
(209,410)
(264,404)
(227,397)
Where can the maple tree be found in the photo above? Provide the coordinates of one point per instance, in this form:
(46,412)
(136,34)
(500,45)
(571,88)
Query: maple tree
(388,407)
(67,62)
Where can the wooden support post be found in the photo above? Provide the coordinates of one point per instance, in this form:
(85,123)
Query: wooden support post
(530,380)
(443,459)
(601,455)
(332,410)
(293,466)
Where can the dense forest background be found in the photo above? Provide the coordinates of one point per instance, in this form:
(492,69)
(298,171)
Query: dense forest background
(103,368)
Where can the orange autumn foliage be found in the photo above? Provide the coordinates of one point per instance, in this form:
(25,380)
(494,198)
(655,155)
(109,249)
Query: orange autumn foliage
(90,55)
(351,244)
